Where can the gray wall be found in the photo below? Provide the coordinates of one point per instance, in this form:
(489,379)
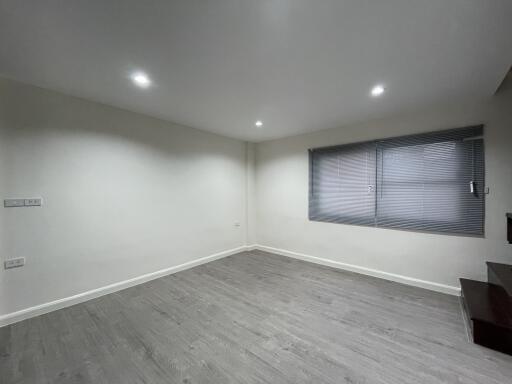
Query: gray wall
(281,200)
(124,195)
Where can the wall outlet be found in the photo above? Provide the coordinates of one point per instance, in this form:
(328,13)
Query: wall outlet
(34,202)
(14,263)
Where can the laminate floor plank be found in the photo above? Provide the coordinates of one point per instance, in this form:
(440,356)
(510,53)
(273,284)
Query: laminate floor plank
(251,318)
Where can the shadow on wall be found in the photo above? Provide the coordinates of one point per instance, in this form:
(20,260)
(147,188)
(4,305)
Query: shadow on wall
(53,115)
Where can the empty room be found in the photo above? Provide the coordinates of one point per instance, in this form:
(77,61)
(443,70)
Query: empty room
(256,191)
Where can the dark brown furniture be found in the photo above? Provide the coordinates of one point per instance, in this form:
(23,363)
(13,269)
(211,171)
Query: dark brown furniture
(509,227)
(488,307)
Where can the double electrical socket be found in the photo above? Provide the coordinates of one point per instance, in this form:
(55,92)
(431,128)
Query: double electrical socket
(14,263)
(33,202)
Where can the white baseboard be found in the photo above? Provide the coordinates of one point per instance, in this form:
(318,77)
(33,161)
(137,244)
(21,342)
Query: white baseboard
(451,290)
(37,310)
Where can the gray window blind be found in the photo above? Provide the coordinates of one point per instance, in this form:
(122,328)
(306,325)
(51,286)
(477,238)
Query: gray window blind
(342,184)
(427,182)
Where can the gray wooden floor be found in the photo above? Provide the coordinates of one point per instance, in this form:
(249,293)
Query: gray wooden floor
(253,318)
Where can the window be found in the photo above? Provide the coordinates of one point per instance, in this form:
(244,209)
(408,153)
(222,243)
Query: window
(427,182)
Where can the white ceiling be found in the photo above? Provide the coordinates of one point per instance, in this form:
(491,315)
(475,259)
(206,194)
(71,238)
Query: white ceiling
(298,65)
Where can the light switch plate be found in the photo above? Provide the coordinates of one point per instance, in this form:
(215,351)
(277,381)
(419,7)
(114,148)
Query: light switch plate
(32,202)
(14,263)
(9,203)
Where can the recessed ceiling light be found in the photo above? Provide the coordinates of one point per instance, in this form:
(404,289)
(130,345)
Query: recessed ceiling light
(259,123)
(141,79)
(377,90)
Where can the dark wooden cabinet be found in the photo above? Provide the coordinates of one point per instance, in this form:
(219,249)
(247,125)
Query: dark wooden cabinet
(509,227)
(488,308)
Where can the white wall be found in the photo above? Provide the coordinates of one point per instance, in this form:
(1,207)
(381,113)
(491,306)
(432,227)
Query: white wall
(124,195)
(281,200)
(251,188)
